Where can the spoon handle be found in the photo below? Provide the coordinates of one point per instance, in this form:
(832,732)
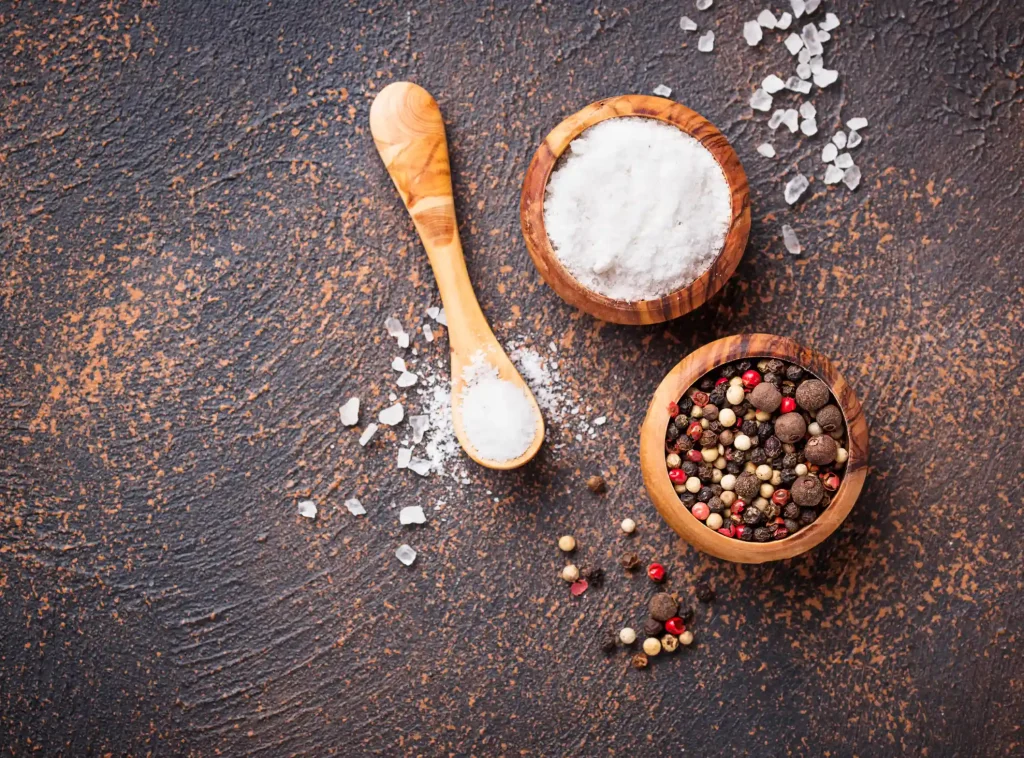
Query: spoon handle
(409,134)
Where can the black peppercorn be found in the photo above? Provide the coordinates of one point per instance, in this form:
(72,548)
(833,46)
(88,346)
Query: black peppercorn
(737,456)
(792,525)
(826,501)
(758,456)
(685,406)
(686,614)
(707,384)
(704,593)
(717,396)
(688,499)
(704,471)
(774,380)
(752,516)
(594,575)
(684,443)
(750,427)
(608,642)
(715,505)
(788,477)
(808,516)
(716,427)
(742,366)
(716,489)
(729,371)
(705,494)
(762,534)
(773,446)
(791,511)
(790,460)
(765,429)
(747,535)
(794,373)
(772,511)
(710,439)
(653,628)
(788,389)
(733,467)
(689,468)
(775,366)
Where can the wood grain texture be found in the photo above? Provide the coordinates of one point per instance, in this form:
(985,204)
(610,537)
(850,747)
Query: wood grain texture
(409,134)
(683,376)
(538,243)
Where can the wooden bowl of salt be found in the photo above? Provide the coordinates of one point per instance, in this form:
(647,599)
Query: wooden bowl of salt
(629,257)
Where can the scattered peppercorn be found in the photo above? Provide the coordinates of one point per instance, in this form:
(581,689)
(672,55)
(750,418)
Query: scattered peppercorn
(627,636)
(567,543)
(653,628)
(594,575)
(669,643)
(662,607)
(628,525)
(608,641)
(629,561)
(675,626)
(656,572)
(704,592)
(596,484)
(652,646)
(639,661)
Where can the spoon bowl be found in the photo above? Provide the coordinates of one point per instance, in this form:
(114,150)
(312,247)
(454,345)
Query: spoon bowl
(409,134)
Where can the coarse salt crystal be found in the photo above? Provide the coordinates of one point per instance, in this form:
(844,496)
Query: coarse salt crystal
(825,77)
(406,555)
(307,509)
(419,425)
(367,434)
(794,43)
(799,7)
(394,327)
(839,139)
(829,153)
(420,466)
(796,84)
(767,19)
(407,379)
(398,364)
(852,177)
(833,174)
(831,22)
(784,21)
(752,33)
(404,456)
(823,36)
(795,187)
(662,91)
(600,420)
(706,42)
(791,119)
(854,139)
(412,514)
(428,333)
(844,160)
(776,119)
(703,5)
(790,240)
(809,127)
(659,219)
(772,84)
(857,123)
(811,5)
(687,24)
(803,70)
(804,56)
(816,63)
(355,507)
(392,415)
(760,100)
(349,412)
(766,150)
(807,110)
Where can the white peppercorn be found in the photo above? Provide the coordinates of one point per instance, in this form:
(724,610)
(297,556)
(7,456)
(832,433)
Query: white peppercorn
(842,455)
(714,521)
(693,485)
(801,469)
(766,490)
(628,525)
(686,638)
(627,636)
(734,394)
(652,646)
(709,454)
(673,461)
(567,543)
(814,429)
(763,472)
(570,573)
(728,497)
(727,417)
(742,442)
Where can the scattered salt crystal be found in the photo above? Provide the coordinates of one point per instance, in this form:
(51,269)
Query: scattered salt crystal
(662,91)
(442,317)
(852,177)
(307,509)
(398,364)
(760,100)
(404,456)
(394,327)
(766,150)
(839,139)
(703,5)
(829,153)
(833,174)
(796,84)
(809,34)
(816,63)
(498,417)
(809,127)
(789,239)
(706,42)
(350,412)
(844,160)
(600,420)
(355,507)
(392,397)
(807,110)
(823,36)
(791,119)
(803,70)
(406,555)
(767,19)
(795,187)
(825,77)
(428,333)
(831,22)
(776,119)
(420,466)
(367,434)
(392,415)
(752,32)
(432,311)
(772,84)
(804,56)
(687,24)
(799,7)
(857,123)
(419,425)
(811,5)
(854,139)
(407,379)
(658,222)
(411,514)
(794,43)
(784,21)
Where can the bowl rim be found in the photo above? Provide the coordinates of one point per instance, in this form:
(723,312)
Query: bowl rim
(652,447)
(677,302)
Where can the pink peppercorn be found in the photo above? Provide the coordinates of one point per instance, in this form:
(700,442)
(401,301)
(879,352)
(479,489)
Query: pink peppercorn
(788,405)
(728,531)
(656,572)
(750,379)
(738,506)
(694,456)
(677,476)
(721,380)
(701,511)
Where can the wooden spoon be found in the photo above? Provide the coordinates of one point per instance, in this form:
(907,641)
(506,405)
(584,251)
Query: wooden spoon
(409,133)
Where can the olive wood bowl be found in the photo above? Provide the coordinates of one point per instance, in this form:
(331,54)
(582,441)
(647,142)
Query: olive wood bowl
(683,300)
(652,448)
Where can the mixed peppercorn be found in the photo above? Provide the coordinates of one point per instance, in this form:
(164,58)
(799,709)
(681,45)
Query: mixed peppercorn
(756,448)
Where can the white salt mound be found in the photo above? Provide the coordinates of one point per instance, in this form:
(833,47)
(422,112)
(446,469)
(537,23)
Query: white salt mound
(497,415)
(638,210)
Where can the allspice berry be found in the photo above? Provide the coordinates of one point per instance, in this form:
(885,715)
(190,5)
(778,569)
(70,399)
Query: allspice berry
(639,661)
(596,483)
(765,397)
(821,450)
(830,419)
(812,395)
(747,486)
(662,607)
(807,491)
(790,427)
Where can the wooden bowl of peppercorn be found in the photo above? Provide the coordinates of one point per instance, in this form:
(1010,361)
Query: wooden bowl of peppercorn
(655,310)
(684,376)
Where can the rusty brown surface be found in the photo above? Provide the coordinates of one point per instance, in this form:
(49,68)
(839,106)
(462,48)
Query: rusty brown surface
(198,248)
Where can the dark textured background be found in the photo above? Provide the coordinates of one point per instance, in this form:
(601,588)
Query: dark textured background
(199,248)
